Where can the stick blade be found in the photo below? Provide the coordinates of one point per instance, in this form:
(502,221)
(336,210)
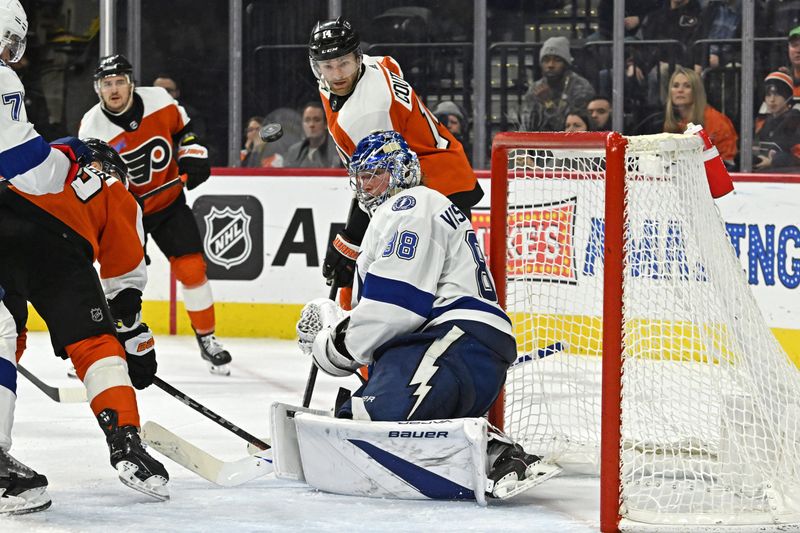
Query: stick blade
(202,463)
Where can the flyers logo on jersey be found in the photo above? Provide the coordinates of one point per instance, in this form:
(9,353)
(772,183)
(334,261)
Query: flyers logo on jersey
(152,156)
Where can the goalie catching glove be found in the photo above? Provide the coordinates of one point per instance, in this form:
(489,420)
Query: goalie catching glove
(193,161)
(135,336)
(320,332)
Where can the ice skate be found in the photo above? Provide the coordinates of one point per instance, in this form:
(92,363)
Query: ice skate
(217,357)
(134,465)
(22,490)
(513,471)
(71,372)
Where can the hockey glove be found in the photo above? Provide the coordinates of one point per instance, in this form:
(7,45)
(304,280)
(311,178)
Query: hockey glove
(340,261)
(330,354)
(318,314)
(76,151)
(126,305)
(193,161)
(141,354)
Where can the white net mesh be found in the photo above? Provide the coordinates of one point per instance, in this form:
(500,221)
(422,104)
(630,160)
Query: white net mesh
(711,402)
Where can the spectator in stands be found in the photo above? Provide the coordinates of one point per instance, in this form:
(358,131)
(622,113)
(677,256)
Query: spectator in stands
(723,18)
(168,83)
(316,150)
(577,120)
(687,103)
(794,60)
(776,145)
(635,13)
(599,109)
(546,104)
(253,152)
(453,117)
(679,20)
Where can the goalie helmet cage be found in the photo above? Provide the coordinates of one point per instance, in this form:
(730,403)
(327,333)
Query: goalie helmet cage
(611,248)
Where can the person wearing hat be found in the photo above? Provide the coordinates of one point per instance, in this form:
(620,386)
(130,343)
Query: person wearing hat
(776,144)
(453,117)
(560,89)
(794,59)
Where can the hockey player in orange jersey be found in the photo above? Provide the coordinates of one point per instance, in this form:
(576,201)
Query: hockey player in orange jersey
(362,94)
(50,243)
(153,134)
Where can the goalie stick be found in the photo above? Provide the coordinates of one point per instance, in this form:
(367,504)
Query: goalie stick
(57,394)
(541,353)
(202,463)
(312,374)
(208,413)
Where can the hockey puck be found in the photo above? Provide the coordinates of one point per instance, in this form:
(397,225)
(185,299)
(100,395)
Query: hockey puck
(271,132)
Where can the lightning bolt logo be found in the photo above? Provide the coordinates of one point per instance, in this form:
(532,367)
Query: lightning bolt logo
(427,366)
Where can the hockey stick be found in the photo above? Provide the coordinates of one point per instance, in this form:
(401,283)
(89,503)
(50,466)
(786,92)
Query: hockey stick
(541,353)
(202,463)
(208,413)
(180,180)
(312,374)
(57,394)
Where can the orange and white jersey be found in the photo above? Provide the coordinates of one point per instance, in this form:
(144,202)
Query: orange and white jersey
(148,147)
(99,209)
(383,100)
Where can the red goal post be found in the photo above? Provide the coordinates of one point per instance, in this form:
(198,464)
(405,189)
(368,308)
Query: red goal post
(642,311)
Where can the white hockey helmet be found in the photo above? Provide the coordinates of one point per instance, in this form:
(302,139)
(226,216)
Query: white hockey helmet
(13,28)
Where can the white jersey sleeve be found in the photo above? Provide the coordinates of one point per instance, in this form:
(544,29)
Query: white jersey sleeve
(420,265)
(26,159)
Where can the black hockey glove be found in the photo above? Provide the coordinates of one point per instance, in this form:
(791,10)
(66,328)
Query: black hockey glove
(340,261)
(193,161)
(125,306)
(141,354)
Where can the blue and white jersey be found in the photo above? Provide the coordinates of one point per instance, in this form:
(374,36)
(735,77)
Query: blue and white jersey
(26,159)
(420,265)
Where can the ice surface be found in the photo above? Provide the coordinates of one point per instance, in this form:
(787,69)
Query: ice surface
(64,443)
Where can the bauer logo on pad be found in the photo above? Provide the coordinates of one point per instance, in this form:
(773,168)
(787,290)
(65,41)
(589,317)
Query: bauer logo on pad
(232,230)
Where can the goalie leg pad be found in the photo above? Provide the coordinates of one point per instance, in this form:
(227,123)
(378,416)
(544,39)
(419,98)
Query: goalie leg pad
(432,459)
(285,450)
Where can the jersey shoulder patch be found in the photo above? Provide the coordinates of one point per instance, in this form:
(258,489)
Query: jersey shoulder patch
(404,202)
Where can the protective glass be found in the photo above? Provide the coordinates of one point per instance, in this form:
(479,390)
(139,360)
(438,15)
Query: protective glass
(15,46)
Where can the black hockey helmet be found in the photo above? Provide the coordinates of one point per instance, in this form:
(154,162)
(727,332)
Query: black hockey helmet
(114,65)
(331,39)
(112,163)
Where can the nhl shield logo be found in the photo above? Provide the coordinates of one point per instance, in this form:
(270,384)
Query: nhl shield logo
(227,241)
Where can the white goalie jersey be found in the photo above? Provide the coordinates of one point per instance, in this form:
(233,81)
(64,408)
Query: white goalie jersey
(421,265)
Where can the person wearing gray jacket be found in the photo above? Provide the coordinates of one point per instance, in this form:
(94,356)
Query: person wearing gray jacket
(317,149)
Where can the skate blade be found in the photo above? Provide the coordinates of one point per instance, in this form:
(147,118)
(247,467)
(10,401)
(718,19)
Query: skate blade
(219,370)
(537,474)
(154,486)
(30,501)
(72,373)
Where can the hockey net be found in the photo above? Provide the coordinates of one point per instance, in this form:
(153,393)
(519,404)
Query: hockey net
(630,306)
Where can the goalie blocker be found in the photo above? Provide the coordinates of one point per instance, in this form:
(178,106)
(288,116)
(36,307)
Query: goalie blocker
(430,459)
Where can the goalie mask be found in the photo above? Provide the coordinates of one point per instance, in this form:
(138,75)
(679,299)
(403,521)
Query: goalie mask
(381,166)
(13,28)
(334,52)
(108,158)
